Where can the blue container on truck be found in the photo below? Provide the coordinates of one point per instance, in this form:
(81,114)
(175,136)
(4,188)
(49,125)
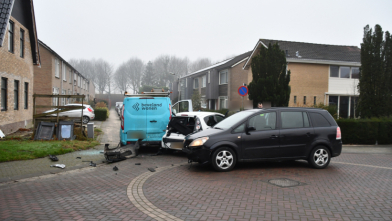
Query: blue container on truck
(145,116)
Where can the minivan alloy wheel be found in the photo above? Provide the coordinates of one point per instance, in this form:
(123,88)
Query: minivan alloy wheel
(224,159)
(320,157)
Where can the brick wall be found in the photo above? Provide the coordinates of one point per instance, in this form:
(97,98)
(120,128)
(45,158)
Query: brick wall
(308,80)
(237,77)
(13,67)
(42,76)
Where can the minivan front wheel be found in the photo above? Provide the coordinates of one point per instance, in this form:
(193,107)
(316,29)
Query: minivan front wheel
(86,119)
(320,157)
(224,159)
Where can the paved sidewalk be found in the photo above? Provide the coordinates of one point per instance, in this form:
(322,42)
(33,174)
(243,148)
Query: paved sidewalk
(369,149)
(15,170)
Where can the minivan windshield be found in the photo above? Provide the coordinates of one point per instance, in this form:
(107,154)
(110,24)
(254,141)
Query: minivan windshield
(233,120)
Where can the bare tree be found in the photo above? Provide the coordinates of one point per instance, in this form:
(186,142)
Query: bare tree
(134,68)
(121,78)
(103,75)
(199,64)
(84,67)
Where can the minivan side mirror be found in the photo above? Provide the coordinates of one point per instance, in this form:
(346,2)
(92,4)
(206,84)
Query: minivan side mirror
(250,129)
(174,112)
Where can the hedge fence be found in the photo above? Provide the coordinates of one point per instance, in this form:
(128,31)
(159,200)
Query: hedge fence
(101,114)
(366,131)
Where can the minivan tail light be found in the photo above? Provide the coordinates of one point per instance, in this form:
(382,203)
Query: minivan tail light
(122,118)
(338,134)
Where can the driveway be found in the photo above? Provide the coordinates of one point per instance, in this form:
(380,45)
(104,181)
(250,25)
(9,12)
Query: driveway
(356,186)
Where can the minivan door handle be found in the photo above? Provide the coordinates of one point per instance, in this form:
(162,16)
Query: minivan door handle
(274,136)
(153,121)
(308,134)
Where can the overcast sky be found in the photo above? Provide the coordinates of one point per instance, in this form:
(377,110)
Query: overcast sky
(117,30)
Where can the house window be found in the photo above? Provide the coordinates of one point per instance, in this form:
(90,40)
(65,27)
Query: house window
(355,73)
(75,79)
(209,76)
(70,76)
(64,73)
(57,68)
(196,83)
(295,99)
(334,71)
(344,72)
(186,82)
(55,99)
(26,95)
(222,103)
(63,92)
(11,36)
(223,77)
(3,94)
(203,102)
(21,43)
(314,100)
(204,79)
(16,95)
(305,100)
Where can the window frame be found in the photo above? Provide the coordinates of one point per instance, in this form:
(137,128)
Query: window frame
(227,78)
(223,98)
(4,91)
(204,81)
(26,95)
(304,100)
(22,43)
(16,94)
(196,80)
(295,99)
(293,111)
(56,68)
(340,72)
(64,72)
(11,41)
(277,120)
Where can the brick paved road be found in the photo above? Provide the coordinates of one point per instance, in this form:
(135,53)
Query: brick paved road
(340,192)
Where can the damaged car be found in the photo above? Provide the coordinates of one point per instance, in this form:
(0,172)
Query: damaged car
(186,123)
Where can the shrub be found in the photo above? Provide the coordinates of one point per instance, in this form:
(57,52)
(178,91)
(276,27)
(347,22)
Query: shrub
(366,131)
(101,114)
(101,104)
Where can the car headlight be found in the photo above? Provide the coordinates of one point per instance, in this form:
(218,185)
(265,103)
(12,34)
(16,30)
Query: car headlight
(198,142)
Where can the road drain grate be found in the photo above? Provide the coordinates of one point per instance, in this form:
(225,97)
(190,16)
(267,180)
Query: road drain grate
(284,182)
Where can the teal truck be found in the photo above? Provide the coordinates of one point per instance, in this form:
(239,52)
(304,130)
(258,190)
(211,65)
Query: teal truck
(146,116)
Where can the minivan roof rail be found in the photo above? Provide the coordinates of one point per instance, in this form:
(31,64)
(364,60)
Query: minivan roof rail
(149,94)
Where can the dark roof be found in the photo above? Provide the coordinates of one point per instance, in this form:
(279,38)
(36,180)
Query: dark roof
(53,52)
(317,51)
(5,13)
(223,64)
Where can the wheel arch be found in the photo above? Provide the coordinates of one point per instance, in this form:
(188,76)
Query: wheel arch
(320,143)
(228,144)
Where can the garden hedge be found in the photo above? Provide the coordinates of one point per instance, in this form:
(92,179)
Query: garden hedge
(101,114)
(366,131)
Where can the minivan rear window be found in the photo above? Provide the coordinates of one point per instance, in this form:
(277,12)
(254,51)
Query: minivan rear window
(319,120)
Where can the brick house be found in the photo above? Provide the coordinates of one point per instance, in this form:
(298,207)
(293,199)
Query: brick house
(217,84)
(19,53)
(57,76)
(320,73)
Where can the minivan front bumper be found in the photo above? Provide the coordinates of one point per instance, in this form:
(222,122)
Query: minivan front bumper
(198,154)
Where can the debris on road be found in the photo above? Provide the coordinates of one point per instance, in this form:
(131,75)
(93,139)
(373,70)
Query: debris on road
(53,158)
(1,134)
(62,166)
(151,169)
(138,164)
(115,168)
(121,153)
(93,164)
(78,158)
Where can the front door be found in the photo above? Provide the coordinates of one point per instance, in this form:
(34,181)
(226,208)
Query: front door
(263,142)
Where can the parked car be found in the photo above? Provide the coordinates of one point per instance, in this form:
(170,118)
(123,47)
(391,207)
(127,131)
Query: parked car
(185,123)
(88,112)
(145,116)
(267,134)
(118,107)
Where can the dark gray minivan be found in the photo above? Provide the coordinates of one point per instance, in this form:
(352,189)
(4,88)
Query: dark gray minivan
(267,134)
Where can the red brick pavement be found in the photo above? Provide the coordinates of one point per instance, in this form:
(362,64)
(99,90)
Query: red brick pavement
(340,192)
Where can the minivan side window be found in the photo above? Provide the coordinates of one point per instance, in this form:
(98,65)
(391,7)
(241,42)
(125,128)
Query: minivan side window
(263,121)
(319,120)
(295,119)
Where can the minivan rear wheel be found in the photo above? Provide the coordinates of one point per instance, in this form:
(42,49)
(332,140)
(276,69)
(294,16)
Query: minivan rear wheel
(319,157)
(224,159)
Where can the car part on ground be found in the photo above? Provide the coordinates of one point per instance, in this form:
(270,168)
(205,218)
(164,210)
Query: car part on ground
(62,166)
(121,152)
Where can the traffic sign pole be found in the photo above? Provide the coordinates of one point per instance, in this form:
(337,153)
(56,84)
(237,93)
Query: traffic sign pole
(243,91)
